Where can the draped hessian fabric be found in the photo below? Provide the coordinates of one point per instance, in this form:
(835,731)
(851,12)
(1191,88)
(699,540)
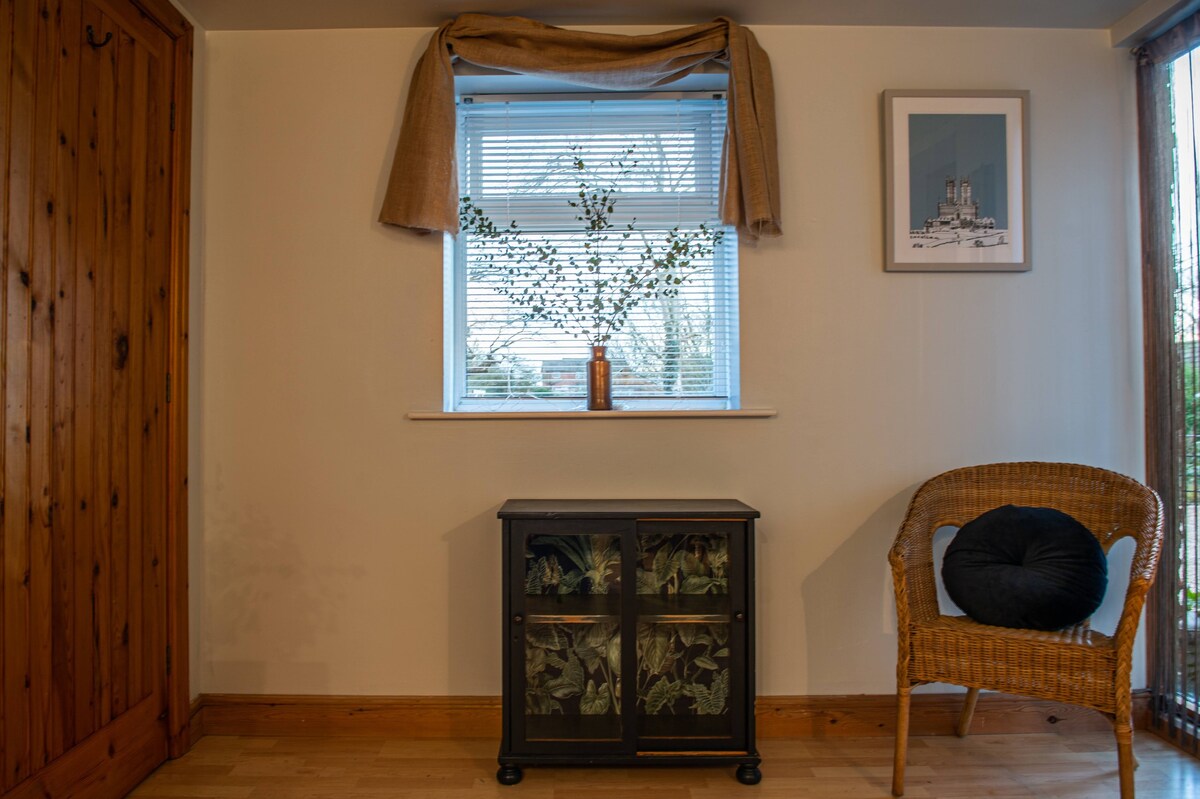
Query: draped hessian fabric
(422,191)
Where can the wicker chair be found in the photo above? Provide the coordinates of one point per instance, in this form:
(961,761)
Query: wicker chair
(1078,665)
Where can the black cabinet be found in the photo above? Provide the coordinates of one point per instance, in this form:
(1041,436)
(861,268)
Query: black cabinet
(628,634)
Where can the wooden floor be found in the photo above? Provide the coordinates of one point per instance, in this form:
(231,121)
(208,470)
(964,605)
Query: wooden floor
(1048,766)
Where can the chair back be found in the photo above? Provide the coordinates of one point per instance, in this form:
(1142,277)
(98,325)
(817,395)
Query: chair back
(1110,505)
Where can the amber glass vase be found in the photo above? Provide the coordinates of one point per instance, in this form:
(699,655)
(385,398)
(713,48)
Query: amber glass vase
(599,372)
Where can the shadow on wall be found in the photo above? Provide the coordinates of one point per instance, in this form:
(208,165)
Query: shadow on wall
(474,606)
(850,609)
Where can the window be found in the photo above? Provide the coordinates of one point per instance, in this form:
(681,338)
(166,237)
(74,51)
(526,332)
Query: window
(1169,107)
(1183,558)
(525,303)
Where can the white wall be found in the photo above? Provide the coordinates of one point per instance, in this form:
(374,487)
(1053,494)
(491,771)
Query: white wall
(348,550)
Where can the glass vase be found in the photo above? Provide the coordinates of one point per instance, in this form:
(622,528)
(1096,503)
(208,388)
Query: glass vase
(599,373)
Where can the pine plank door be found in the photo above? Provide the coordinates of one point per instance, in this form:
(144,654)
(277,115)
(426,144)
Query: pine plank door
(86,116)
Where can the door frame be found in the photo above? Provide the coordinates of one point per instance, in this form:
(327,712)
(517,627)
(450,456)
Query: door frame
(164,14)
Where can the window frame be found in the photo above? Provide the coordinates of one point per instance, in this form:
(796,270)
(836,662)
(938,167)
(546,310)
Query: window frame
(455,329)
(1171,457)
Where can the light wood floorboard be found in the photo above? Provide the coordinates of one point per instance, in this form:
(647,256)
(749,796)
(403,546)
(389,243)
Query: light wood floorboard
(1082,766)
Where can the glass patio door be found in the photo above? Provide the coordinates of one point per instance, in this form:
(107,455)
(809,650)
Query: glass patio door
(1169,155)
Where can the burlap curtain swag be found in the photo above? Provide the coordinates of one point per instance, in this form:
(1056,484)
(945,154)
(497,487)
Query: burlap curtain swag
(422,192)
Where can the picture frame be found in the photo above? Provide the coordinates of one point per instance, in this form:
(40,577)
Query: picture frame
(956,167)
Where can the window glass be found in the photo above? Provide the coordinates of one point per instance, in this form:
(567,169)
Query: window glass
(1185,102)
(591,222)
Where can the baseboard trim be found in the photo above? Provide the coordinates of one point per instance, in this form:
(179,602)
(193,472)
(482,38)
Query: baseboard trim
(195,728)
(434,717)
(385,716)
(868,715)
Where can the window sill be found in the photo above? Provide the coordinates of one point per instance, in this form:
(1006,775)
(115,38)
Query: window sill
(497,416)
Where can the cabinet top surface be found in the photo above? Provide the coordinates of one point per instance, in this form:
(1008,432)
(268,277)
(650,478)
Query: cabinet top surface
(626,509)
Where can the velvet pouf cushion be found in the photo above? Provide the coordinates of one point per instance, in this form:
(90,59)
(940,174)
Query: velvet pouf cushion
(1032,568)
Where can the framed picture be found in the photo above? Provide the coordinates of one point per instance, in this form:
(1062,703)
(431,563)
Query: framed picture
(957,175)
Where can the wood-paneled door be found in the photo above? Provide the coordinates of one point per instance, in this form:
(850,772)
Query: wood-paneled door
(94,99)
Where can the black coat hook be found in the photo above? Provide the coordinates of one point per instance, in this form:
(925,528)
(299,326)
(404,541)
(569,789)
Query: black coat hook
(91,38)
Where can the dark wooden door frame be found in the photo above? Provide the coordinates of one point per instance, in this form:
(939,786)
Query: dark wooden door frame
(169,18)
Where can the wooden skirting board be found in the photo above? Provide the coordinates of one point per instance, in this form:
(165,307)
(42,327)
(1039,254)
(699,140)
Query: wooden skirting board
(776,716)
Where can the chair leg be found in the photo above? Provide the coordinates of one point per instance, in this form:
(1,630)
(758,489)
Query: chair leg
(903,694)
(1126,762)
(968,711)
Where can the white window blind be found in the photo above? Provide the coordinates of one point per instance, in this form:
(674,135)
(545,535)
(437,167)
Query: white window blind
(520,162)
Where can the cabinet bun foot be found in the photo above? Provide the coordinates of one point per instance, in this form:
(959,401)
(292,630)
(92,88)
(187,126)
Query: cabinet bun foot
(508,774)
(749,774)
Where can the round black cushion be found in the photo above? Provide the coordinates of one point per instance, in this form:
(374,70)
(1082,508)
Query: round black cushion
(1033,568)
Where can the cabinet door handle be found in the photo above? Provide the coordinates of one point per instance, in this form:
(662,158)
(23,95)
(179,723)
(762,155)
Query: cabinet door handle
(739,616)
(518,619)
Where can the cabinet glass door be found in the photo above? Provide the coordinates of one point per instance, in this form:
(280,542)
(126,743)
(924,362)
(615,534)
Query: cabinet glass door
(571,641)
(689,685)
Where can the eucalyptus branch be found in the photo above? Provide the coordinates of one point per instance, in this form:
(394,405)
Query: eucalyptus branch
(590,292)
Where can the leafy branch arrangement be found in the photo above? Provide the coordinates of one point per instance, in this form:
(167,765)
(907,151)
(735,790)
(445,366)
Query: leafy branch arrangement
(587,291)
